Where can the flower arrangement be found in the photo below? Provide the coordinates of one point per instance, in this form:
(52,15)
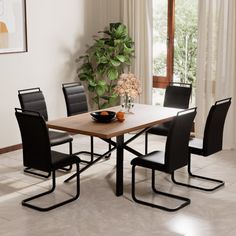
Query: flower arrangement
(128,87)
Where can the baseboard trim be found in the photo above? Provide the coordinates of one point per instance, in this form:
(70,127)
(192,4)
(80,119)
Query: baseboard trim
(10,148)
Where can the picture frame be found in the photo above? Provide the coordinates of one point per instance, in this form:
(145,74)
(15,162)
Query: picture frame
(13,26)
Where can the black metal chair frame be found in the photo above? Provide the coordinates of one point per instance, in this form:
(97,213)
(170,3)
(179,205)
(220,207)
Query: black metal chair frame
(172,160)
(185,106)
(26,201)
(45,115)
(204,152)
(47,151)
(91,153)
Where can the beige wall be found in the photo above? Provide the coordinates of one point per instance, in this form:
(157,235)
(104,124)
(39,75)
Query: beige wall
(58,31)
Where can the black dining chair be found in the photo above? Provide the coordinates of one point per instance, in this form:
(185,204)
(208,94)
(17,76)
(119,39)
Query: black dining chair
(173,158)
(177,95)
(33,99)
(211,142)
(76,103)
(37,154)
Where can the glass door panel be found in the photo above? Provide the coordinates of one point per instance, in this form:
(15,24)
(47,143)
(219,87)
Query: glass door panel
(160,37)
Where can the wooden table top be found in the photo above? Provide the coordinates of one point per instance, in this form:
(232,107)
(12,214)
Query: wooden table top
(142,116)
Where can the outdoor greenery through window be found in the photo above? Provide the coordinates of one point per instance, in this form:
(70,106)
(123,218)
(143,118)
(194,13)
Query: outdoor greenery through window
(184,48)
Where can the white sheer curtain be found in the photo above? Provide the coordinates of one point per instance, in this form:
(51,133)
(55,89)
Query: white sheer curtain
(216,62)
(137,16)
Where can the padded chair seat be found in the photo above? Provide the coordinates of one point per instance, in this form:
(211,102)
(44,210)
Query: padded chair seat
(161,129)
(60,160)
(196,146)
(57,138)
(154,160)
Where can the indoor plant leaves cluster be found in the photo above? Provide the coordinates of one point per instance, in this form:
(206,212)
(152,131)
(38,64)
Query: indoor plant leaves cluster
(111,52)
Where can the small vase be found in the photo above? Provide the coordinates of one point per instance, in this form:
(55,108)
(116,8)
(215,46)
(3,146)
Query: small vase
(127,104)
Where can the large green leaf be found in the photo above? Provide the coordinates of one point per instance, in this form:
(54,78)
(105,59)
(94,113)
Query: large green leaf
(101,59)
(102,83)
(127,49)
(117,42)
(99,42)
(115,63)
(121,58)
(100,90)
(120,31)
(92,83)
(85,76)
(112,73)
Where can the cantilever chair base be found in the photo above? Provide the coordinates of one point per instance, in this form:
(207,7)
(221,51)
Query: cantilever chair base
(87,153)
(221,183)
(92,154)
(27,170)
(26,201)
(186,201)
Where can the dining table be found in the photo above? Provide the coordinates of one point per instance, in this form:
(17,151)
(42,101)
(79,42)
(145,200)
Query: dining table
(141,118)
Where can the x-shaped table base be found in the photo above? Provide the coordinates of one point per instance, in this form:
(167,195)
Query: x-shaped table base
(119,146)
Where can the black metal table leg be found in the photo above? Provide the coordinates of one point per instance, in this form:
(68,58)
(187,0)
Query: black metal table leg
(119,164)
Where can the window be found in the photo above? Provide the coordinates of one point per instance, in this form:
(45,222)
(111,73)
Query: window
(163,33)
(174,44)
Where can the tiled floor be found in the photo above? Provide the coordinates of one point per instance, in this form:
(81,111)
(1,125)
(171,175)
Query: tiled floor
(99,212)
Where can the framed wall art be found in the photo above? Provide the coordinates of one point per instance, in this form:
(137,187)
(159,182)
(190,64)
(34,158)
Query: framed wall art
(13,30)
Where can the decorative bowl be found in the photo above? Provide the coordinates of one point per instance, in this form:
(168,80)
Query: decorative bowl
(103,116)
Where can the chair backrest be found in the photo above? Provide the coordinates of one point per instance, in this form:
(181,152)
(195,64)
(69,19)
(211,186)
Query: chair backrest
(213,132)
(177,95)
(33,99)
(177,151)
(75,97)
(35,140)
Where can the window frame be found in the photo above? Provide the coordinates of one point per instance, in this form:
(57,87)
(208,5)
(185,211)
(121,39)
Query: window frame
(163,81)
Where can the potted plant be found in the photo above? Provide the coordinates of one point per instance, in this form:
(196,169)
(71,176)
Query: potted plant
(104,61)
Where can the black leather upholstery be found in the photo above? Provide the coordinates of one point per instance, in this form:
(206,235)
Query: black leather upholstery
(177,95)
(37,152)
(174,157)
(155,158)
(213,132)
(161,129)
(75,97)
(36,144)
(58,138)
(33,100)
